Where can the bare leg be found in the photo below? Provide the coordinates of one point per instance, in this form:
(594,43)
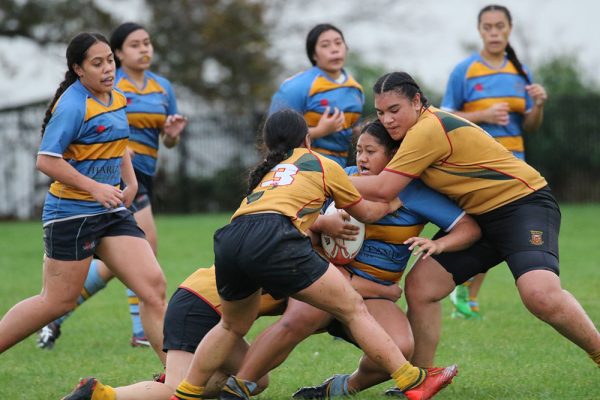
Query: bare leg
(334,294)
(395,323)
(62,284)
(143,276)
(274,344)
(543,296)
(145,220)
(426,284)
(476,285)
(218,344)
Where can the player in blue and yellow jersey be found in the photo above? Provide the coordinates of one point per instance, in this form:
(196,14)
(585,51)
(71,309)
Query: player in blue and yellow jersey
(152,114)
(511,201)
(382,260)
(266,247)
(327,95)
(493,89)
(194,309)
(84,139)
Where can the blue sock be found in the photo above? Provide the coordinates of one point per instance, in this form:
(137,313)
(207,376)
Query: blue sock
(134,311)
(92,285)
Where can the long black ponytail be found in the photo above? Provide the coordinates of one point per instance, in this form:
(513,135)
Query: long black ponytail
(76,53)
(283,131)
(510,52)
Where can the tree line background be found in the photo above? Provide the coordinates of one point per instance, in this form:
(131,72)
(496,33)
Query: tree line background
(216,52)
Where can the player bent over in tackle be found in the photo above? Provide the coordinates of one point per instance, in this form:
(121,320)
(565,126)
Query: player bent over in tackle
(265,246)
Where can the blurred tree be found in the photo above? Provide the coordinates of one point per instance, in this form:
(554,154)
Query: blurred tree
(217,48)
(562,75)
(53,21)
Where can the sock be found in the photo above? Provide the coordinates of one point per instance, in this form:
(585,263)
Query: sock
(596,357)
(92,285)
(468,283)
(134,311)
(338,385)
(473,304)
(187,391)
(409,376)
(103,392)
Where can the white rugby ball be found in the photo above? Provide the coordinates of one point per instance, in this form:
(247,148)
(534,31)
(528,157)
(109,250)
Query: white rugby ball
(339,251)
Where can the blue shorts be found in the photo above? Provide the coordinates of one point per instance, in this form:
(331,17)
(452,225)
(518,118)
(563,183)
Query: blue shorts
(523,233)
(77,238)
(143,197)
(264,251)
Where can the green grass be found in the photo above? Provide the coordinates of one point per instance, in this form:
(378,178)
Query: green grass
(508,355)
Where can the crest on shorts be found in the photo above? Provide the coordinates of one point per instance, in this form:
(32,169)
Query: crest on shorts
(536,238)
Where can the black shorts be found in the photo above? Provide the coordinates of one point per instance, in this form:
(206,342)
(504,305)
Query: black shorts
(187,320)
(523,233)
(143,197)
(264,251)
(77,239)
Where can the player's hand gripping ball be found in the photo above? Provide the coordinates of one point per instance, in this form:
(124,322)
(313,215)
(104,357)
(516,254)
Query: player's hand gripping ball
(340,251)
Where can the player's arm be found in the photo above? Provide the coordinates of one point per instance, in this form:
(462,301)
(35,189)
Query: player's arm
(367,288)
(464,233)
(57,168)
(382,187)
(370,211)
(336,225)
(128,177)
(534,117)
(330,122)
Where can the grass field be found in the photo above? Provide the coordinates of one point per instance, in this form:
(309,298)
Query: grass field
(508,355)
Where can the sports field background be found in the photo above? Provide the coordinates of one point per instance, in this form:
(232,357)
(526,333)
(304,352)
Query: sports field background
(508,355)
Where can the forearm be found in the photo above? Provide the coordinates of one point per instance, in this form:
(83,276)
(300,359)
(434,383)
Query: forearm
(462,236)
(57,168)
(473,116)
(127,172)
(315,132)
(370,188)
(533,119)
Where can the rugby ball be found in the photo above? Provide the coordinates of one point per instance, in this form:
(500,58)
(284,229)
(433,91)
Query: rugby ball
(339,251)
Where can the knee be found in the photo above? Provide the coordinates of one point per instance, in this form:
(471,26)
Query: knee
(155,295)
(297,328)
(542,303)
(354,307)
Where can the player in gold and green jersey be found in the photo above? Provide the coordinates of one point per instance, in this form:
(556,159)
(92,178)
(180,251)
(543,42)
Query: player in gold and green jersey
(265,247)
(510,200)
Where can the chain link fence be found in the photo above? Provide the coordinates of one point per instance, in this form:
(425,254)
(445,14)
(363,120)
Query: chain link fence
(207,171)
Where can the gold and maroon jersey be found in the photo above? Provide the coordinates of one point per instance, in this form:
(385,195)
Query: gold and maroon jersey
(297,188)
(203,284)
(459,159)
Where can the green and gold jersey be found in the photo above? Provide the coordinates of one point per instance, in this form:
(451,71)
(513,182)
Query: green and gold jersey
(203,283)
(297,188)
(459,159)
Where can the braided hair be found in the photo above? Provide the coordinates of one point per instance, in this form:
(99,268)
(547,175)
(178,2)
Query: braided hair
(76,53)
(510,52)
(283,131)
(402,83)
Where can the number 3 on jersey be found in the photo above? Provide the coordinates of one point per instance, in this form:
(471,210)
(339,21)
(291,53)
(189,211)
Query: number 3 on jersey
(284,175)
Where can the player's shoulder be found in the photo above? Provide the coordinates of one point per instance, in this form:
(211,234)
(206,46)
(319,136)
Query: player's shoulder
(158,78)
(301,79)
(464,64)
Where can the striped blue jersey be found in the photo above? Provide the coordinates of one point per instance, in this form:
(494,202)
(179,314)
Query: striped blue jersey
(92,137)
(474,86)
(147,109)
(383,256)
(310,92)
